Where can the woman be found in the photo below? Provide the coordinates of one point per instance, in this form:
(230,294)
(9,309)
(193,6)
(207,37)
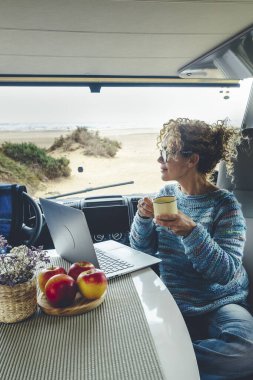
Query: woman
(201,247)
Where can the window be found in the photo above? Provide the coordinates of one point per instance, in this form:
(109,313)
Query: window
(131,115)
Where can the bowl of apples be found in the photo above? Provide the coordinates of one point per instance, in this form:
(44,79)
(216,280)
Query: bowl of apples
(80,289)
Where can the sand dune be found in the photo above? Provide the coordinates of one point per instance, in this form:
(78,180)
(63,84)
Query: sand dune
(136,161)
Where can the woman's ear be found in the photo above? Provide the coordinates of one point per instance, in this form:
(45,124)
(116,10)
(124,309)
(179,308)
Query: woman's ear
(193,160)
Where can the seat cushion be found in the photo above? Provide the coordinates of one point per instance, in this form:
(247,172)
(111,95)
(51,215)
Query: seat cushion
(248,256)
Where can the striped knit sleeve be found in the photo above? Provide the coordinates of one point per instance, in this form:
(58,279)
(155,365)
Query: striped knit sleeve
(143,236)
(219,256)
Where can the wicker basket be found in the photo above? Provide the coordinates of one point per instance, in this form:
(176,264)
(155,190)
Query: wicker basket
(18,302)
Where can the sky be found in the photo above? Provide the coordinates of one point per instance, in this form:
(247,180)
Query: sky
(121,107)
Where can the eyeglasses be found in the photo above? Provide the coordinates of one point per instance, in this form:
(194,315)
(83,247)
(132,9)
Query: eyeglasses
(166,154)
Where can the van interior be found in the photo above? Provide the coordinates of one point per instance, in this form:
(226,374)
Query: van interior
(119,45)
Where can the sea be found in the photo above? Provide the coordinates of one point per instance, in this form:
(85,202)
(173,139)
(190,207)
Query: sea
(124,128)
(40,126)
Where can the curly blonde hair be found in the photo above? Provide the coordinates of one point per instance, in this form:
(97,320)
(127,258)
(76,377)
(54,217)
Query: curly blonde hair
(213,142)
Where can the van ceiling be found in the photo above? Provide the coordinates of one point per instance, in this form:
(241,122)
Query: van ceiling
(113,37)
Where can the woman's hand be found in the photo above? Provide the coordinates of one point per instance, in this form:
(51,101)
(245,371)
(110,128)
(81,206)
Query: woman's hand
(145,208)
(179,223)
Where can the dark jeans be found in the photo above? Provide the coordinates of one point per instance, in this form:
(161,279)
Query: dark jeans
(223,343)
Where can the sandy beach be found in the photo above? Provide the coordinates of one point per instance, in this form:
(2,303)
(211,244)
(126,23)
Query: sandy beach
(135,161)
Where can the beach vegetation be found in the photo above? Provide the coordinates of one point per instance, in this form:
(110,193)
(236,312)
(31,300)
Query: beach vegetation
(27,164)
(37,159)
(90,141)
(14,172)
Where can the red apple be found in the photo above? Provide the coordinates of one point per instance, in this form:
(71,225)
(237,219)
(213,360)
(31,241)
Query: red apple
(78,268)
(92,284)
(60,290)
(46,274)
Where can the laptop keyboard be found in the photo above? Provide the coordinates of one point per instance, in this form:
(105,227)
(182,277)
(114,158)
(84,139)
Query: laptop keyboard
(110,265)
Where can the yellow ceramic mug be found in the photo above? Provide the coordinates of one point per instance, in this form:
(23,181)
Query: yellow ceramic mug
(165,205)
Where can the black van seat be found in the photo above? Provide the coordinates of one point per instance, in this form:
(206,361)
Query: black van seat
(242,187)
(245,198)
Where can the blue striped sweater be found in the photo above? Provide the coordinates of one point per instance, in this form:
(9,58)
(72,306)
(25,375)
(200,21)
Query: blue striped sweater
(203,270)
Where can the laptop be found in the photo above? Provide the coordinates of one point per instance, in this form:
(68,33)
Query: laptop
(72,240)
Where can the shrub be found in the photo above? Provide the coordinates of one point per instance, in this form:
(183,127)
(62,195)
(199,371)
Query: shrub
(37,158)
(93,144)
(56,167)
(14,172)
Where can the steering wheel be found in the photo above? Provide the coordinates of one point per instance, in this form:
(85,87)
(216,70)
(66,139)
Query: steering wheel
(31,225)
